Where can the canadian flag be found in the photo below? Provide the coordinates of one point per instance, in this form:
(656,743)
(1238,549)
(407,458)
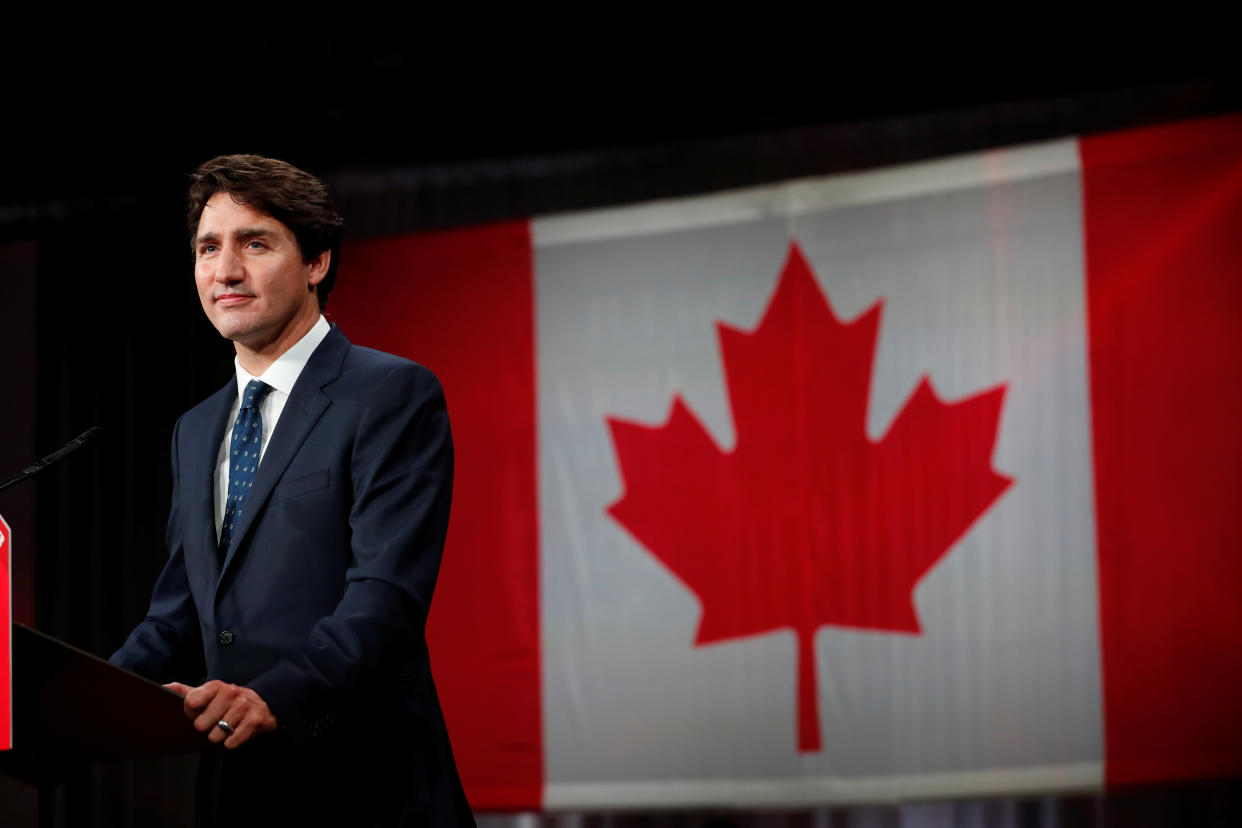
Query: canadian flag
(921,481)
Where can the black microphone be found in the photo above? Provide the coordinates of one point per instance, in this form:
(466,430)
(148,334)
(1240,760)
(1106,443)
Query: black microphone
(55,457)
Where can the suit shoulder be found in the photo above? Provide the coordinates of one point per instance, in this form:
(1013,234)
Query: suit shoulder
(367,365)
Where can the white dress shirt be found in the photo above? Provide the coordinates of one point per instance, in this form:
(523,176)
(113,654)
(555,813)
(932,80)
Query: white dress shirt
(281,376)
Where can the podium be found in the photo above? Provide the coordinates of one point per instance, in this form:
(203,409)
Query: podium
(72,709)
(63,709)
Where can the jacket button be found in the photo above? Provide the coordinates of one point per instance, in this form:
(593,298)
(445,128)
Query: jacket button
(226,638)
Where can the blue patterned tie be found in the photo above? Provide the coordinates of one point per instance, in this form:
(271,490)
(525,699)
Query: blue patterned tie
(243,458)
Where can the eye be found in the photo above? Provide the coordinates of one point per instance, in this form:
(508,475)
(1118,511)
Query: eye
(255,244)
(205,249)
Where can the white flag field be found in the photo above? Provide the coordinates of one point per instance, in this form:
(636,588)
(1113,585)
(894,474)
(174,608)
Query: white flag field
(911,482)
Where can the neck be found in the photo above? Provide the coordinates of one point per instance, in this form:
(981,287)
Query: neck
(256,360)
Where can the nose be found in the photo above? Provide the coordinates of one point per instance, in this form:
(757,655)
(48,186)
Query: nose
(229,268)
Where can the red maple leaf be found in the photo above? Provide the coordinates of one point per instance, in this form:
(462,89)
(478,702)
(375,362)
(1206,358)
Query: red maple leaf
(807,521)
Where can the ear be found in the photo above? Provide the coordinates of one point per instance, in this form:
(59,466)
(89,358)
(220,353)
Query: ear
(317,268)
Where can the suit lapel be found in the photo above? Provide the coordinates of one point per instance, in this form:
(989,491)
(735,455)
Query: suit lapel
(305,406)
(203,432)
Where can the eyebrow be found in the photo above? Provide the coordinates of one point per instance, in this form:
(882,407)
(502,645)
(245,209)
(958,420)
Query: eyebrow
(239,234)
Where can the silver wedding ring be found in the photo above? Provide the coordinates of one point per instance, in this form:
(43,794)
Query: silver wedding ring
(225,726)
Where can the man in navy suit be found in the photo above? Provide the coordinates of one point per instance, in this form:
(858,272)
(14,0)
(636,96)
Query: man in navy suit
(310,504)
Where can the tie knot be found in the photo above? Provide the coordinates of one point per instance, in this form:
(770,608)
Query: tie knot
(256,390)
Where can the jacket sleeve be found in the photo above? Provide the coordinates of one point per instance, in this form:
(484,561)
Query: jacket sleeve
(166,646)
(401,473)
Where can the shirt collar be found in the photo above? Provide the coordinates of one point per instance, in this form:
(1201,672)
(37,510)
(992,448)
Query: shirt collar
(284,372)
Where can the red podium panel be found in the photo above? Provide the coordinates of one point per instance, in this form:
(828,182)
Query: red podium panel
(6,636)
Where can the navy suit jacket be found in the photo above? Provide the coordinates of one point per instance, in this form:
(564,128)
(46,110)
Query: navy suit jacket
(321,601)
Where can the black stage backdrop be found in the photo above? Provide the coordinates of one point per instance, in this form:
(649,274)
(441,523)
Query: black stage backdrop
(109,333)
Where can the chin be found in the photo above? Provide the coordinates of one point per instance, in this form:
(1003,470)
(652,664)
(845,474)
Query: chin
(231,326)
(233,333)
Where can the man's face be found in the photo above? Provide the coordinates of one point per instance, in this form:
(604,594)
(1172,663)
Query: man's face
(251,279)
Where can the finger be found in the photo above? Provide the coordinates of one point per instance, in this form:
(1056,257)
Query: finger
(199,697)
(235,717)
(177,687)
(244,718)
(196,698)
(241,735)
(253,717)
(216,733)
(215,711)
(237,738)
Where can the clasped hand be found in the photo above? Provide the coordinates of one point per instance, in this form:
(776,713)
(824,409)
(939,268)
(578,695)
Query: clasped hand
(216,701)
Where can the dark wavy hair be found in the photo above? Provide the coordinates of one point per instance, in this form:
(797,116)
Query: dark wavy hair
(295,198)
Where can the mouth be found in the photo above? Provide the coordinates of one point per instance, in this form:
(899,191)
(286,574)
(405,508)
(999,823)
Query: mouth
(229,300)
